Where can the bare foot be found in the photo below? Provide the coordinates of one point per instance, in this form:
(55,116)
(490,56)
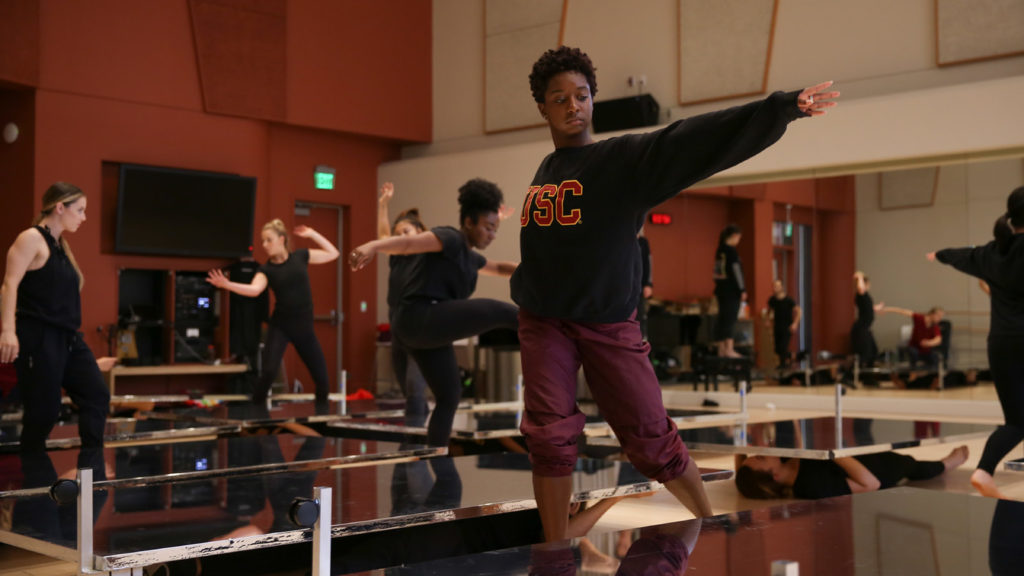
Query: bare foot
(985,484)
(956,457)
(897,382)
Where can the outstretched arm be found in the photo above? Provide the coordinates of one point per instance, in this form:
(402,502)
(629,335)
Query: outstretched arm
(966,260)
(900,311)
(408,244)
(383,202)
(252,289)
(499,268)
(326,252)
(858,477)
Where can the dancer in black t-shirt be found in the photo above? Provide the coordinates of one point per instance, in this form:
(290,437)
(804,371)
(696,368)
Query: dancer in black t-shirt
(41,313)
(862,339)
(784,319)
(413,385)
(429,289)
(1000,264)
(292,320)
(730,289)
(775,477)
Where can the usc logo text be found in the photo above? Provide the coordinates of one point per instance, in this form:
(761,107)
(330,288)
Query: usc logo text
(546,204)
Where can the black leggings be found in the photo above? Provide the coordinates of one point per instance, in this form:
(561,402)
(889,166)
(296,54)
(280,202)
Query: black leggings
(782,339)
(413,385)
(891,468)
(426,330)
(728,314)
(863,343)
(1004,358)
(50,359)
(301,335)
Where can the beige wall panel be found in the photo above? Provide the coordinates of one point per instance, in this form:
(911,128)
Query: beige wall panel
(970,30)
(510,57)
(724,48)
(510,15)
(907,188)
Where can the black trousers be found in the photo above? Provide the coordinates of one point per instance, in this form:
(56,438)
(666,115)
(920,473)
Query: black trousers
(891,468)
(300,334)
(427,329)
(50,359)
(782,339)
(1007,364)
(413,385)
(728,314)
(863,343)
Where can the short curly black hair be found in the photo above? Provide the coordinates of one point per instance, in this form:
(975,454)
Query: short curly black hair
(478,196)
(554,62)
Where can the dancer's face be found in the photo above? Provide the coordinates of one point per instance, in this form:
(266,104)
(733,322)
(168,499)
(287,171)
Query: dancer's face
(778,288)
(482,232)
(273,243)
(567,107)
(72,215)
(770,464)
(406,228)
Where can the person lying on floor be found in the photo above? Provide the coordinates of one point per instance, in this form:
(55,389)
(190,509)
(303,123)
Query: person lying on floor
(921,380)
(767,477)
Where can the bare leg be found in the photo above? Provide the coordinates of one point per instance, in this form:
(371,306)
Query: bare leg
(986,485)
(553,494)
(689,490)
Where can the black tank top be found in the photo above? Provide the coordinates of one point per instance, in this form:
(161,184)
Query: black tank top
(51,293)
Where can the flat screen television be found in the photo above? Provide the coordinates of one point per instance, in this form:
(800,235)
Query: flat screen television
(184,212)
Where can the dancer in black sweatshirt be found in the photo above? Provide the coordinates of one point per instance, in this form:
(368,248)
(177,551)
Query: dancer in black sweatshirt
(1000,263)
(579,281)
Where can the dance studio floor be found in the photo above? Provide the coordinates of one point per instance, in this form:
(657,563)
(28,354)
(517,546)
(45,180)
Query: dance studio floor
(661,508)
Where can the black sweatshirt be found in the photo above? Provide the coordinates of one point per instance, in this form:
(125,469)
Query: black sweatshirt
(585,206)
(1004,273)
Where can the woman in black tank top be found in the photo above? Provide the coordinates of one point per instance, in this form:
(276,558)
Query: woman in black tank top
(292,320)
(40,312)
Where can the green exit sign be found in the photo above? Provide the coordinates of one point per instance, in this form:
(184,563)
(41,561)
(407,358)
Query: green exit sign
(323,177)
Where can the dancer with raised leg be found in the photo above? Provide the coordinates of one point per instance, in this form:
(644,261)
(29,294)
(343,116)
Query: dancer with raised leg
(1000,263)
(287,274)
(429,294)
(579,281)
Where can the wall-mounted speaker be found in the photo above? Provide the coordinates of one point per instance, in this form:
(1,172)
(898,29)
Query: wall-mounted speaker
(626,113)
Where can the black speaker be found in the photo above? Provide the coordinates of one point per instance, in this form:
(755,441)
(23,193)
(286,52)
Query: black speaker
(626,113)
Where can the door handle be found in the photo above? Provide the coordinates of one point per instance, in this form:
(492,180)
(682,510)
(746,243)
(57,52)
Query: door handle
(333,317)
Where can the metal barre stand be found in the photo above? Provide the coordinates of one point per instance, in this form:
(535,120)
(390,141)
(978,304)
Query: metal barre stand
(307,513)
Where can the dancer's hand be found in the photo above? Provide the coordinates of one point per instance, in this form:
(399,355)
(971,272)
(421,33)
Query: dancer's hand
(815,100)
(303,231)
(217,278)
(361,256)
(880,307)
(505,212)
(106,363)
(930,256)
(387,190)
(8,347)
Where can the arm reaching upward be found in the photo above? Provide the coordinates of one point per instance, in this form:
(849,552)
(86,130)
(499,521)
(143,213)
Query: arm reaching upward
(326,252)
(383,218)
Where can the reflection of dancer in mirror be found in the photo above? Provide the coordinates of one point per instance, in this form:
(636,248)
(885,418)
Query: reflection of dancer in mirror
(579,281)
(775,477)
(287,275)
(783,317)
(413,385)
(41,312)
(730,290)
(861,337)
(1000,264)
(429,292)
